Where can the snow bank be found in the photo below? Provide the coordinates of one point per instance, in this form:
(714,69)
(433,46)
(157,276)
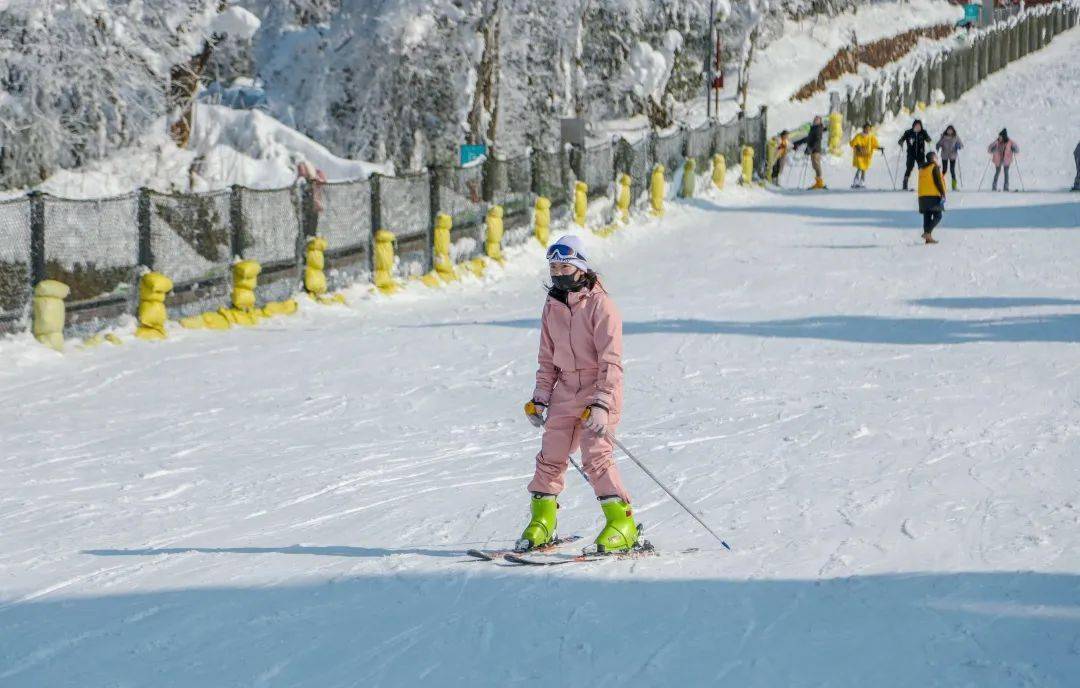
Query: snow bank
(803,50)
(807,45)
(246,147)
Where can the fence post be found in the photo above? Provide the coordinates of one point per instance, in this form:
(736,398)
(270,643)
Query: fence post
(37,238)
(146,247)
(309,219)
(376,220)
(763,141)
(236,221)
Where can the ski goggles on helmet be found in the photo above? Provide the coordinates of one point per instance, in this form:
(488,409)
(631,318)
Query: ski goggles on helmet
(561,253)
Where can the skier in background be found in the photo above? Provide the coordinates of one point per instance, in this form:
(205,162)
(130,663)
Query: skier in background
(580,367)
(783,144)
(915,140)
(931,196)
(1076,159)
(1002,150)
(813,141)
(950,145)
(863,146)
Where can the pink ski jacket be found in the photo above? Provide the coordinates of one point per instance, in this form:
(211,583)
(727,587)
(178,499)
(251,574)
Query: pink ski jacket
(581,343)
(1003,151)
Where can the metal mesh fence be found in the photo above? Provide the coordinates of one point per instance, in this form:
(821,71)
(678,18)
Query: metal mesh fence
(699,144)
(598,168)
(270,225)
(191,236)
(551,176)
(14,258)
(344,221)
(405,210)
(92,246)
(509,183)
(726,141)
(668,151)
(635,160)
(459,194)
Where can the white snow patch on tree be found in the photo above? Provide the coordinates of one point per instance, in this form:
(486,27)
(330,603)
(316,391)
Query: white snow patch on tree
(235,22)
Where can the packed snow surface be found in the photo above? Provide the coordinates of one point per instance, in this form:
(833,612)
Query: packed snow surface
(885,433)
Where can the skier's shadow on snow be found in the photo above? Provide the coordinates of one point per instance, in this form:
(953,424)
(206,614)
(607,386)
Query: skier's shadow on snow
(1040,216)
(468,627)
(327,551)
(861,329)
(974,302)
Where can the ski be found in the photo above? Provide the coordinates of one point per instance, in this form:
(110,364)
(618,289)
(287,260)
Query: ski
(493,554)
(646,550)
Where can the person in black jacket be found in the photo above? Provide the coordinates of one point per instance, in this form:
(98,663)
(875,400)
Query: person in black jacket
(813,141)
(915,139)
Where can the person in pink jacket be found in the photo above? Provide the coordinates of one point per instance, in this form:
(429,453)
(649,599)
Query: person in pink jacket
(580,368)
(1002,151)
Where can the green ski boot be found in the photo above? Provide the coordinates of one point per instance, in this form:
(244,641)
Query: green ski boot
(620,534)
(541,529)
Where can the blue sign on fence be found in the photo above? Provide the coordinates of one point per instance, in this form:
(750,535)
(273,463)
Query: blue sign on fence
(971,14)
(470,152)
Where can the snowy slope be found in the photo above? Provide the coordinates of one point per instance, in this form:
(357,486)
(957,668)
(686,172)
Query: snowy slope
(1035,98)
(885,433)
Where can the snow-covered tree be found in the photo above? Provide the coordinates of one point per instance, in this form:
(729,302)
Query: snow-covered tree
(79,78)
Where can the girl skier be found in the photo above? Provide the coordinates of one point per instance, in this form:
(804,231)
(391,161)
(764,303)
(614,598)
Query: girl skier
(580,367)
(863,146)
(949,144)
(1002,151)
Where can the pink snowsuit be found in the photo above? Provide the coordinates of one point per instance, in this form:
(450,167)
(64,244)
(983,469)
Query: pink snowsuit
(580,364)
(1003,153)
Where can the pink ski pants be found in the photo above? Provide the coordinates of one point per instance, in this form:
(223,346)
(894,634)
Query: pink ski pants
(564,434)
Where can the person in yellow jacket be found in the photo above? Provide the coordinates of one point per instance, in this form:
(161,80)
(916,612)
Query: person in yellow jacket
(931,196)
(863,146)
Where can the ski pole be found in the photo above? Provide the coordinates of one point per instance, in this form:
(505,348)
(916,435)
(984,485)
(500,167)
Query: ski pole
(656,480)
(888,168)
(1020,174)
(897,169)
(579,469)
(983,175)
(959,170)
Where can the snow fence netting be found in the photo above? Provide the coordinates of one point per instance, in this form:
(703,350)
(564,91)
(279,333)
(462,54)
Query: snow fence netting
(93,247)
(551,178)
(405,210)
(270,233)
(15,262)
(635,159)
(508,182)
(344,221)
(459,192)
(668,151)
(596,167)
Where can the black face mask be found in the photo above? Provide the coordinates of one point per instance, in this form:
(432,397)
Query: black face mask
(568,282)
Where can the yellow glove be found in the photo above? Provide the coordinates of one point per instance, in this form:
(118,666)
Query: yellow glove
(536,413)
